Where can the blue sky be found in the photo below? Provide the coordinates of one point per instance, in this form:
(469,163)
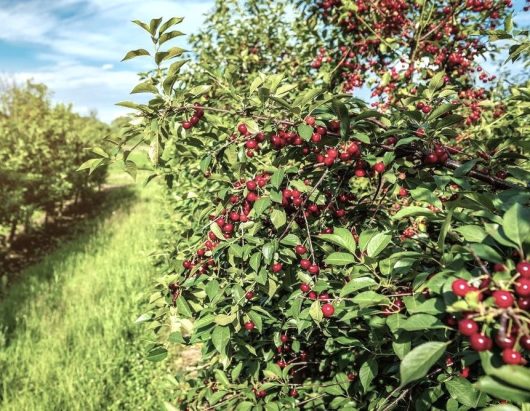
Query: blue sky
(75,46)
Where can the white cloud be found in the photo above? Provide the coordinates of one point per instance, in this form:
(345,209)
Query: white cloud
(80,55)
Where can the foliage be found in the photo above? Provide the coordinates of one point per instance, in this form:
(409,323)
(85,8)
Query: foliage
(41,148)
(339,257)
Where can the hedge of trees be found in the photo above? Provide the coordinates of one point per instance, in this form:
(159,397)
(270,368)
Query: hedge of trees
(41,147)
(329,253)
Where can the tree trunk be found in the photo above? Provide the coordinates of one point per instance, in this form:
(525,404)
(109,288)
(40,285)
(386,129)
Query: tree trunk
(13,231)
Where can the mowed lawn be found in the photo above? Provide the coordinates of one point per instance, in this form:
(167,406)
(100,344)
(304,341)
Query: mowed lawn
(68,340)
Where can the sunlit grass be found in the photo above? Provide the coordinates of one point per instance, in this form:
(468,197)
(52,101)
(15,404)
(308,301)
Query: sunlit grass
(69,340)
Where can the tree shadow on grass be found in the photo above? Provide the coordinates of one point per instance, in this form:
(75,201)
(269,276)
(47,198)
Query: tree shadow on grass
(68,234)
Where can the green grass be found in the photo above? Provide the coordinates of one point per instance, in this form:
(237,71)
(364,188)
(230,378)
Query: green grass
(69,341)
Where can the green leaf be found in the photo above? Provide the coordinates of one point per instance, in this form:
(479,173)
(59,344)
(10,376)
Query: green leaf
(145,87)
(342,238)
(493,387)
(417,362)
(223,319)
(516,224)
(341,111)
(220,338)
(277,178)
(441,110)
(422,321)
(290,239)
(465,168)
(463,391)
(135,53)
(472,233)
(377,244)
(367,373)
(278,218)
(369,298)
(261,205)
(413,211)
(316,312)
(183,307)
(157,353)
(339,259)
(172,75)
(305,131)
(168,36)
(170,23)
(437,81)
(356,284)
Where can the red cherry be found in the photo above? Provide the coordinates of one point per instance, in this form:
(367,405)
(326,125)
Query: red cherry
(305,288)
(523,268)
(480,342)
(467,327)
(524,303)
(498,267)
(315,138)
(300,249)
(503,299)
(504,341)
(321,130)
(281,363)
(293,393)
(312,295)
(252,185)
(360,172)
(249,295)
(277,267)
(511,357)
(328,310)
(242,128)
(252,197)
(426,109)
(228,228)
(284,338)
(464,373)
(525,342)
(314,269)
(249,326)
(310,121)
(379,168)
(403,192)
(522,287)
(261,394)
(460,287)
(251,144)
(305,263)
(430,159)
(323,297)
(186,125)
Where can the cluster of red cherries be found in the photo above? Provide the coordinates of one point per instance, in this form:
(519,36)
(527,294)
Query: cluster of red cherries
(195,118)
(505,306)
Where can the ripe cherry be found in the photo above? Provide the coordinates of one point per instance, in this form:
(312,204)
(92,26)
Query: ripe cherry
(312,295)
(293,393)
(186,125)
(512,357)
(252,185)
(403,192)
(525,342)
(300,249)
(464,373)
(228,228)
(522,287)
(314,269)
(249,326)
(284,338)
(498,267)
(467,327)
(503,298)
(261,394)
(249,295)
(305,288)
(281,364)
(328,310)
(310,121)
(277,267)
(379,167)
(480,342)
(305,263)
(430,159)
(524,303)
(242,128)
(505,341)
(460,287)
(523,268)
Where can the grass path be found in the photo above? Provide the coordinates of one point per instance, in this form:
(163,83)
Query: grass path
(67,335)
